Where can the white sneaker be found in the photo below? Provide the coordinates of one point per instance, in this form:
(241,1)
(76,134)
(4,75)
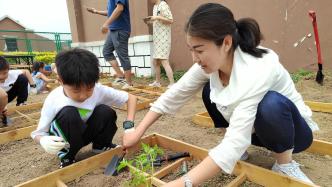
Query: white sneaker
(155,84)
(291,169)
(126,86)
(119,81)
(245,156)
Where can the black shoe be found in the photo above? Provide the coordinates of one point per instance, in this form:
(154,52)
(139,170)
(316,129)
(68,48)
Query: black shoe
(66,162)
(97,150)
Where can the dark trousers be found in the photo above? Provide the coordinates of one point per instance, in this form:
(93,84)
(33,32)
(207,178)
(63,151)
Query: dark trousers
(278,126)
(19,90)
(99,129)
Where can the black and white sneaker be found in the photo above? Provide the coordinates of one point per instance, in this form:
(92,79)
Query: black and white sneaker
(66,162)
(98,150)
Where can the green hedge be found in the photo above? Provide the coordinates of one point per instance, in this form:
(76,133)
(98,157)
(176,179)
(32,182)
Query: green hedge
(46,57)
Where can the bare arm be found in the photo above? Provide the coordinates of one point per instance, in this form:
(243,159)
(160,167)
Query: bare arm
(131,138)
(131,106)
(95,11)
(116,13)
(44,78)
(162,19)
(202,172)
(28,75)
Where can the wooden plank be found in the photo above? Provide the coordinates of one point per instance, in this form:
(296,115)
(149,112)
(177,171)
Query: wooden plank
(17,126)
(59,183)
(254,173)
(16,134)
(321,147)
(157,182)
(26,116)
(80,168)
(172,167)
(33,106)
(319,107)
(266,177)
(237,181)
(203,120)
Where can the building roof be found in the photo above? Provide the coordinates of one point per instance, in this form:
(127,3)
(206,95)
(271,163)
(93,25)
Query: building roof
(16,21)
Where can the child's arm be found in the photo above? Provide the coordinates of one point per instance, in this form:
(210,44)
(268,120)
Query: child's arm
(44,78)
(131,106)
(28,75)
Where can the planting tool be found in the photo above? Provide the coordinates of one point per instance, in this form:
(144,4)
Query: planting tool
(111,168)
(319,76)
(6,121)
(170,157)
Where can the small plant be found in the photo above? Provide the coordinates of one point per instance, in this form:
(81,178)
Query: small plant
(301,74)
(144,163)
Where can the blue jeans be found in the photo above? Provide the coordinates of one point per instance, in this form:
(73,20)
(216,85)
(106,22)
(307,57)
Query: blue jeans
(279,125)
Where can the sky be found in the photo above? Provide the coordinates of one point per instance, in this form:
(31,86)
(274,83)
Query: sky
(38,15)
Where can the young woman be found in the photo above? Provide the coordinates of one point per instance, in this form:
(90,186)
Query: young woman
(161,19)
(246,90)
(39,78)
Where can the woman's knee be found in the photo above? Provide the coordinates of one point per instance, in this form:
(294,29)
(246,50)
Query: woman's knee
(272,106)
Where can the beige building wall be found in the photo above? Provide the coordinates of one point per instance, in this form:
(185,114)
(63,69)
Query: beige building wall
(282,22)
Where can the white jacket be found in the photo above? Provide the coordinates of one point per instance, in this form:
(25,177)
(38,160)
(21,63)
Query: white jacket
(251,78)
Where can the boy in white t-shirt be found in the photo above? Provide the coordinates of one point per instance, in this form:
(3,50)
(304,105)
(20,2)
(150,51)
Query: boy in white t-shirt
(78,112)
(15,82)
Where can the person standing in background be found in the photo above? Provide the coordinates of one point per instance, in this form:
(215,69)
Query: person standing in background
(161,19)
(118,23)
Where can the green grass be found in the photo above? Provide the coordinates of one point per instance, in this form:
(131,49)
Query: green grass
(302,74)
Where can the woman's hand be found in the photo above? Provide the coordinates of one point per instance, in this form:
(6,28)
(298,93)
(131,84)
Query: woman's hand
(130,138)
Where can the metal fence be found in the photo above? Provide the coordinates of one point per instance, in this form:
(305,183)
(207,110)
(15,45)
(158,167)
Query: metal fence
(28,41)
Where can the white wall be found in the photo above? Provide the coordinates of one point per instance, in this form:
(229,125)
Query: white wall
(139,49)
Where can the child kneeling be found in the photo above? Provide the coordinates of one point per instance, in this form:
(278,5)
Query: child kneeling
(78,112)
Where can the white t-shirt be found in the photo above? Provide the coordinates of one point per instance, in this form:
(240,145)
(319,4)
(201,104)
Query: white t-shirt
(56,100)
(12,77)
(251,78)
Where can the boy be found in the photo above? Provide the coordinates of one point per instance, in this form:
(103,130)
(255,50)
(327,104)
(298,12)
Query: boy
(78,112)
(15,82)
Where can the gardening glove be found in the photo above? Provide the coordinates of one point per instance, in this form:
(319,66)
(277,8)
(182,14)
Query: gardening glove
(52,144)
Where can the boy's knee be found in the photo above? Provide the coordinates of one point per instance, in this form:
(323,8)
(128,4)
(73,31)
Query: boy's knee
(68,111)
(105,109)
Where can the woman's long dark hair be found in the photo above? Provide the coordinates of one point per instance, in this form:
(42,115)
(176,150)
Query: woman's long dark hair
(213,22)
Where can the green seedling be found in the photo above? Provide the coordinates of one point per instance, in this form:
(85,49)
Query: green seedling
(144,163)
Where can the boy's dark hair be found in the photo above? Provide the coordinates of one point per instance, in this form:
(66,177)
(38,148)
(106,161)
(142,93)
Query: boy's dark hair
(213,21)
(4,65)
(77,67)
(37,65)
